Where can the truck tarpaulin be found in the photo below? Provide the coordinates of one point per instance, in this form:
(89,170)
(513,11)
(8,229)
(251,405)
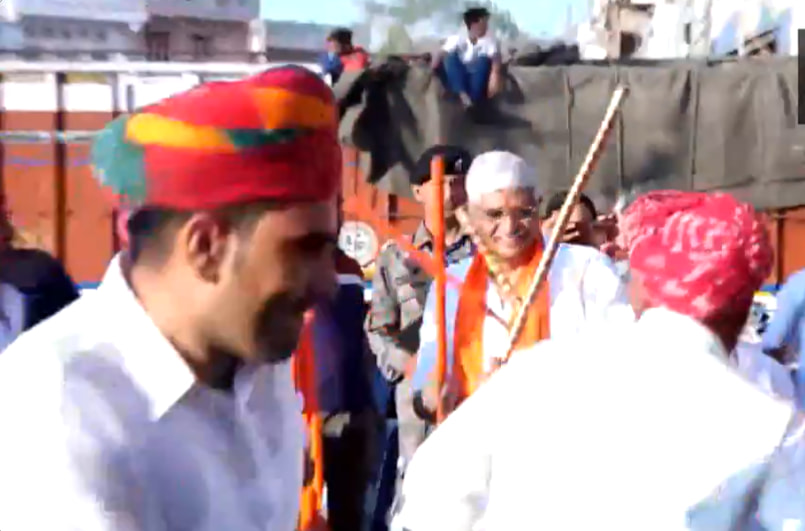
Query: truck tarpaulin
(728,125)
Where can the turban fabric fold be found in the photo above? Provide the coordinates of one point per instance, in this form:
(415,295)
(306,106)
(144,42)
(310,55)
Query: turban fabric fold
(271,136)
(697,253)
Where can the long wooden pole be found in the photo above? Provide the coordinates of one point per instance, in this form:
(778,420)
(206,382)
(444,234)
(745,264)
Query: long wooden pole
(587,167)
(440,280)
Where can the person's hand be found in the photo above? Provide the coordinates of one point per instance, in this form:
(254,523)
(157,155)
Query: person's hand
(608,224)
(465,99)
(572,233)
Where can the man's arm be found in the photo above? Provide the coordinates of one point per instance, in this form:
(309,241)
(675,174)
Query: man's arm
(496,72)
(450,45)
(383,323)
(60,477)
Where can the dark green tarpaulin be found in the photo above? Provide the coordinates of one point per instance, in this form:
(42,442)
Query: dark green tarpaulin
(687,125)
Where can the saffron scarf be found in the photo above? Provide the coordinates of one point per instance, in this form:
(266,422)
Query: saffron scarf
(304,375)
(468,351)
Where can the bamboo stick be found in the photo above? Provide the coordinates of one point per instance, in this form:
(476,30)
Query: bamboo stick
(586,170)
(440,280)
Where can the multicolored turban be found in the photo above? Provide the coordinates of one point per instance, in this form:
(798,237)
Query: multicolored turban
(269,136)
(697,253)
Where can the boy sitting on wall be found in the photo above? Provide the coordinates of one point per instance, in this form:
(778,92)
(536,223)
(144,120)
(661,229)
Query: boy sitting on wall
(469,63)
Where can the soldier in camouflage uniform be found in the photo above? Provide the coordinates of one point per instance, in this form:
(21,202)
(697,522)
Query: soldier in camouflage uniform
(400,287)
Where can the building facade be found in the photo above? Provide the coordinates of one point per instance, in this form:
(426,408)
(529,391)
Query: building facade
(667,29)
(159,30)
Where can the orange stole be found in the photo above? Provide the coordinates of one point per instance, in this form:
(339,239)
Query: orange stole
(304,375)
(468,353)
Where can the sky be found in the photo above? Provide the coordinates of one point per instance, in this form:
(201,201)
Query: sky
(537,17)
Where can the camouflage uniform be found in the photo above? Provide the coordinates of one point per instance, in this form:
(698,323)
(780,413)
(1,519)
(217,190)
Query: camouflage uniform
(399,289)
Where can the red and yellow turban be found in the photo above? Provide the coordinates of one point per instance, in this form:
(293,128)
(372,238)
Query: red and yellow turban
(697,253)
(272,136)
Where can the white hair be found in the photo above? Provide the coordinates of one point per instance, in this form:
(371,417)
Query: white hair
(499,170)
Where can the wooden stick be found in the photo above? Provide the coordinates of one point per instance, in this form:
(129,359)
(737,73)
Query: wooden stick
(440,281)
(593,155)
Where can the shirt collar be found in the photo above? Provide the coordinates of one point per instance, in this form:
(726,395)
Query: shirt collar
(423,240)
(686,333)
(150,359)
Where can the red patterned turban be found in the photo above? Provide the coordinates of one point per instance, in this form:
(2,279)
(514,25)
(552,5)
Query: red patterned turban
(272,136)
(697,253)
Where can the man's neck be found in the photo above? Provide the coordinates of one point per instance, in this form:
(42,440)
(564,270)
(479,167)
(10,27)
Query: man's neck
(154,292)
(521,262)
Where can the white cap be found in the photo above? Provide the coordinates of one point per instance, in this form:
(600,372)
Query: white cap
(499,170)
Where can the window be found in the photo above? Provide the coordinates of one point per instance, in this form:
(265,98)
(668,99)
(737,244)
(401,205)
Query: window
(158,45)
(47,31)
(201,46)
(100,35)
(65,34)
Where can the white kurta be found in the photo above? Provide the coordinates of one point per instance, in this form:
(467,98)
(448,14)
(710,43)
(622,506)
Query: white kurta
(585,292)
(651,430)
(106,429)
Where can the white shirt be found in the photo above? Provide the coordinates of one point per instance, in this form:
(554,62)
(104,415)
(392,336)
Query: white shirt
(106,429)
(649,430)
(467,50)
(585,292)
(12,308)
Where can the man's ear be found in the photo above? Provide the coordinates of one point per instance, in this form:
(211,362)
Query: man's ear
(205,240)
(419,192)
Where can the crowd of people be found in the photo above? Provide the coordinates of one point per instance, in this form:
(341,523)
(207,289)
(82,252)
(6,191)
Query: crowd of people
(227,373)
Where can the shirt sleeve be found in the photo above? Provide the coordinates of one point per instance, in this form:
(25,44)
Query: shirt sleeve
(383,324)
(604,293)
(492,48)
(425,372)
(783,325)
(62,475)
(451,44)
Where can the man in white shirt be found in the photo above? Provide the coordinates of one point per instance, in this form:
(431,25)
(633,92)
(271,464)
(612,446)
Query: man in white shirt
(645,428)
(583,290)
(470,63)
(164,400)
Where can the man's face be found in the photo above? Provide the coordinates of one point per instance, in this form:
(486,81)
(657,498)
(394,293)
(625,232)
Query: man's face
(579,229)
(509,219)
(454,197)
(267,278)
(333,46)
(481,27)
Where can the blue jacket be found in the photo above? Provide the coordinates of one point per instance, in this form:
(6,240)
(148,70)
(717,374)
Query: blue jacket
(341,347)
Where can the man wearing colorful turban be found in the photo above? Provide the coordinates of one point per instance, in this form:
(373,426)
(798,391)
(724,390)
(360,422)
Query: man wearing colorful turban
(643,427)
(165,400)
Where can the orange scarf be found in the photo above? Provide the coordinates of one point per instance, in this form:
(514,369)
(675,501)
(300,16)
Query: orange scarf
(468,353)
(304,375)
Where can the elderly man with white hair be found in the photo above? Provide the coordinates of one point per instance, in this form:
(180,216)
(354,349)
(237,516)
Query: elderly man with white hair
(647,427)
(582,288)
